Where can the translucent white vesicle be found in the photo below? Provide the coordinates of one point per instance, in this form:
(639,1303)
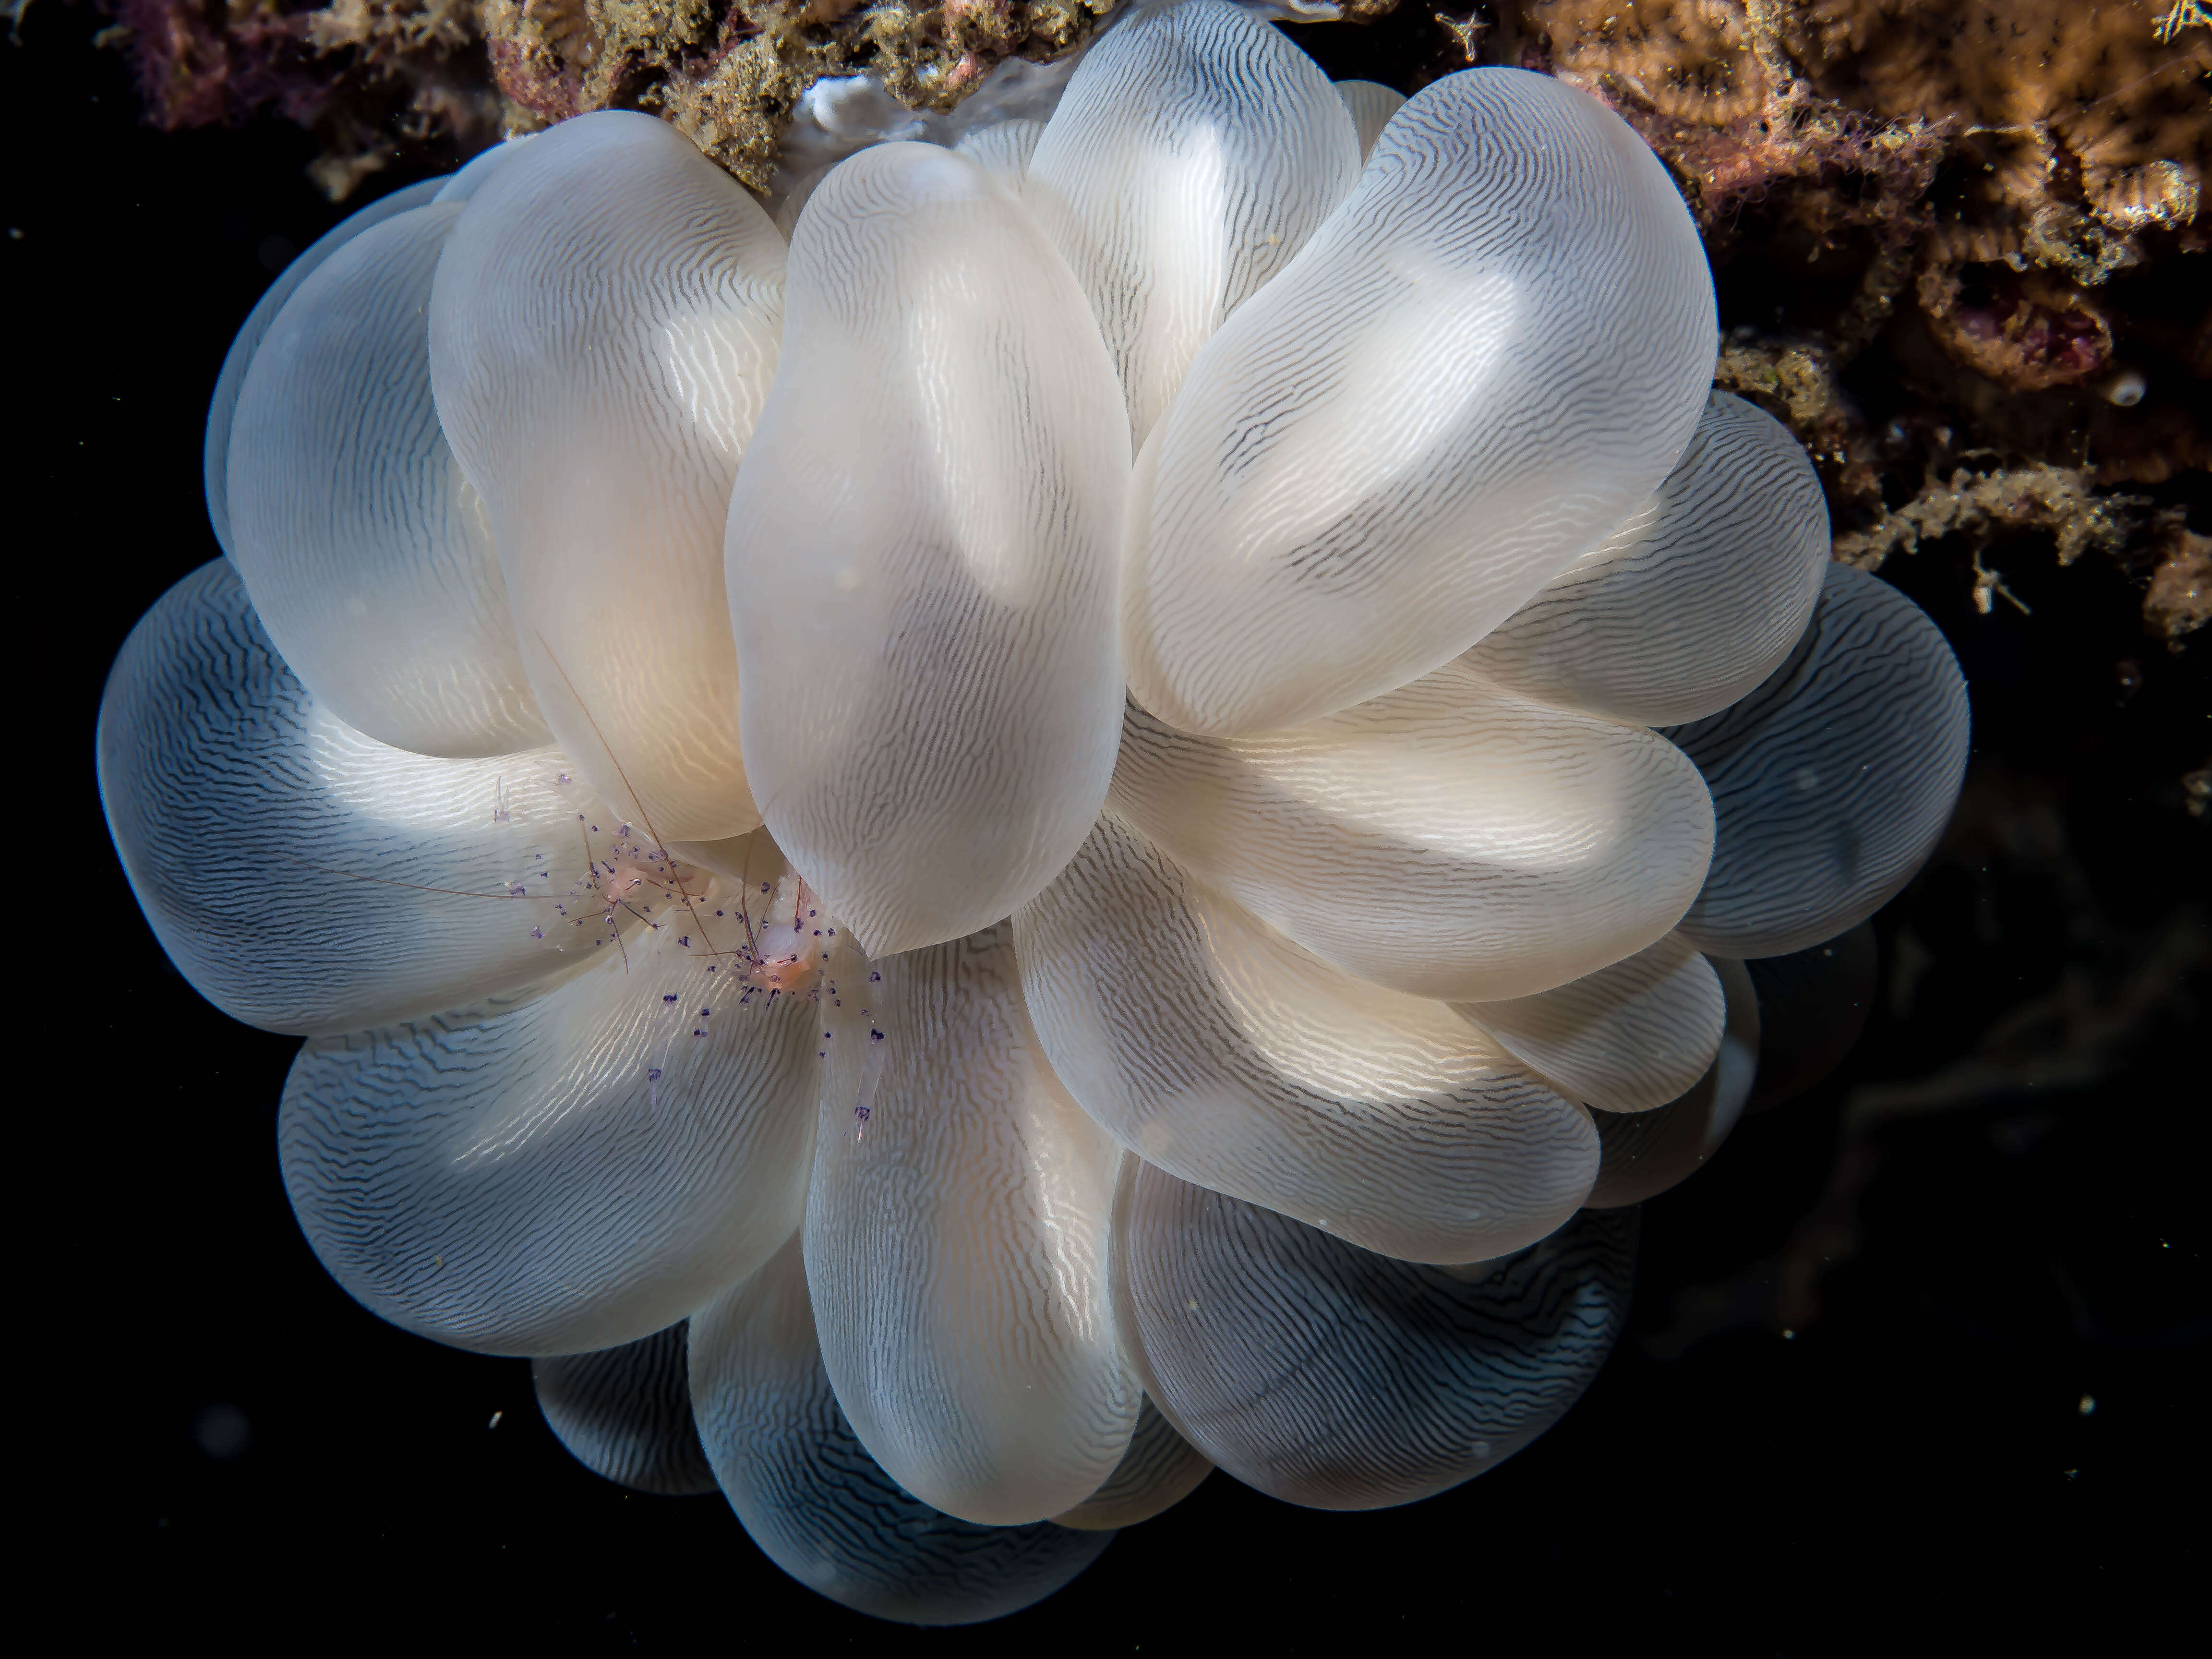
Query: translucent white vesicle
(306,878)
(479,167)
(603,331)
(567,1170)
(1647,1152)
(921,555)
(1370,105)
(750,860)
(1832,782)
(1693,601)
(1446,840)
(1194,152)
(214,452)
(820,1507)
(1330,1377)
(1218,1050)
(1003,150)
(840,115)
(1159,1470)
(365,549)
(1626,1038)
(625,1414)
(956,1242)
(1486,358)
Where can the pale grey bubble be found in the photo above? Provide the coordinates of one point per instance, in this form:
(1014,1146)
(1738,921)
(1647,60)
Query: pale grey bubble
(221,1432)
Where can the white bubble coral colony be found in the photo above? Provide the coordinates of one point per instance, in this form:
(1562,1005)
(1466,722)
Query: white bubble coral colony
(983,853)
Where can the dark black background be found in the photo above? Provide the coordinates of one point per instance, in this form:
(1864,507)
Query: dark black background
(224,1447)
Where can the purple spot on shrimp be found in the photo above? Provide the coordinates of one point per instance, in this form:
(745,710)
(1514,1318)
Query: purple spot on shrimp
(861,1113)
(652,1075)
(671,997)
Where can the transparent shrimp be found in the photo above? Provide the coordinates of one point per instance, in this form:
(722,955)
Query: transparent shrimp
(765,935)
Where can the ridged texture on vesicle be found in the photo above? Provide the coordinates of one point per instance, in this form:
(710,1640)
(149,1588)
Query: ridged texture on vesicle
(1832,781)
(1812,1004)
(1486,358)
(1447,839)
(1329,1377)
(305,877)
(1370,105)
(1215,1048)
(603,331)
(1647,1152)
(625,1414)
(1695,599)
(215,450)
(479,167)
(563,1173)
(1159,1470)
(921,555)
(820,1507)
(1003,150)
(366,550)
(1194,152)
(1628,1037)
(956,1242)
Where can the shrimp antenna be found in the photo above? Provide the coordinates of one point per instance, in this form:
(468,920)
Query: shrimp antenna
(591,868)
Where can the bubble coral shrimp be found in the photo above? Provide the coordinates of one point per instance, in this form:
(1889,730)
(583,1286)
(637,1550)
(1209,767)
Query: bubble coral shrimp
(1098,820)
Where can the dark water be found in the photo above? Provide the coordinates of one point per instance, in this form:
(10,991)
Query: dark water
(1926,1347)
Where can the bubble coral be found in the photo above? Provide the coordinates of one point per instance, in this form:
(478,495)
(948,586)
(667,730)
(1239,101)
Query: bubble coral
(1099,822)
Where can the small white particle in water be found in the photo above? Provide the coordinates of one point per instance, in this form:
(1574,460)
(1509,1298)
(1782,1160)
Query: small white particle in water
(2088,1405)
(1807,779)
(495,1416)
(1788,1336)
(1191,1306)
